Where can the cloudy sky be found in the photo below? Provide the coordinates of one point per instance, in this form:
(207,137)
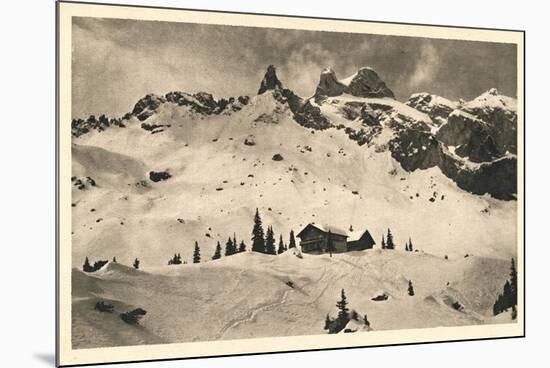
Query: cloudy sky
(115,62)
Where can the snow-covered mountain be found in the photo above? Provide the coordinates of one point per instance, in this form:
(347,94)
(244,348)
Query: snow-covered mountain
(186,167)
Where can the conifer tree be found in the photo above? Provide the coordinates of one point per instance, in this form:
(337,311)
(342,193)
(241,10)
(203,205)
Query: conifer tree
(178,258)
(270,241)
(258,242)
(328,321)
(217,252)
(291,241)
(410,245)
(507,297)
(498,307)
(114,260)
(366,320)
(87,267)
(234,244)
(513,283)
(136,264)
(383,243)
(406,247)
(281,248)
(389,241)
(229,247)
(242,247)
(411,289)
(342,306)
(197,253)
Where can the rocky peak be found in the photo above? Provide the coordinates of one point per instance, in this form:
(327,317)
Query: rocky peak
(270,81)
(329,85)
(367,83)
(364,83)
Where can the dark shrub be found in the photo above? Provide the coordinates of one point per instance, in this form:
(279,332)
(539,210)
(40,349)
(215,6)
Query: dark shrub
(104,307)
(157,176)
(134,316)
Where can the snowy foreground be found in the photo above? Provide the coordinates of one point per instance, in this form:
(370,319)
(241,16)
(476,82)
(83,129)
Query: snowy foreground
(247,296)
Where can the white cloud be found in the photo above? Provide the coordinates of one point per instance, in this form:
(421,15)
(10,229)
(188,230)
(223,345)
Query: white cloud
(426,67)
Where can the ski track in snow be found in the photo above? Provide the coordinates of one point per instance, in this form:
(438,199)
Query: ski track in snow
(251,315)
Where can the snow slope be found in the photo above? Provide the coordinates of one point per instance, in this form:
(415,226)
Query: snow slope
(226,293)
(217,182)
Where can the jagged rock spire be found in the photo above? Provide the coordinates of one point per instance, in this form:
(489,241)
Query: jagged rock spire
(270,81)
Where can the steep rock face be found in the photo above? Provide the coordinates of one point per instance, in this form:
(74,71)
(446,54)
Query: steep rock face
(436,107)
(367,83)
(500,114)
(310,116)
(147,106)
(498,178)
(470,136)
(270,81)
(416,149)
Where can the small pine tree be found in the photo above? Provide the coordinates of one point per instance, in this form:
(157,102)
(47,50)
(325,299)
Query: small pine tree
(242,247)
(234,243)
(229,247)
(270,241)
(136,264)
(87,267)
(406,247)
(383,243)
(281,248)
(114,259)
(197,253)
(411,289)
(342,306)
(328,322)
(291,241)
(217,252)
(258,242)
(389,240)
(410,245)
(366,320)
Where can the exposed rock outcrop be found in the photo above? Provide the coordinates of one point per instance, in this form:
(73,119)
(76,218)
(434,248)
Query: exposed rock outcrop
(329,85)
(364,83)
(436,107)
(270,81)
(367,83)
(81,126)
(147,106)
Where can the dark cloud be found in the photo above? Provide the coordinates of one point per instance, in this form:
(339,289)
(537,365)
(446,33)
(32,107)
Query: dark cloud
(117,61)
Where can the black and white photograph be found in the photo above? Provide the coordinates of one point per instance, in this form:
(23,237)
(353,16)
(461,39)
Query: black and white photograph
(230,182)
